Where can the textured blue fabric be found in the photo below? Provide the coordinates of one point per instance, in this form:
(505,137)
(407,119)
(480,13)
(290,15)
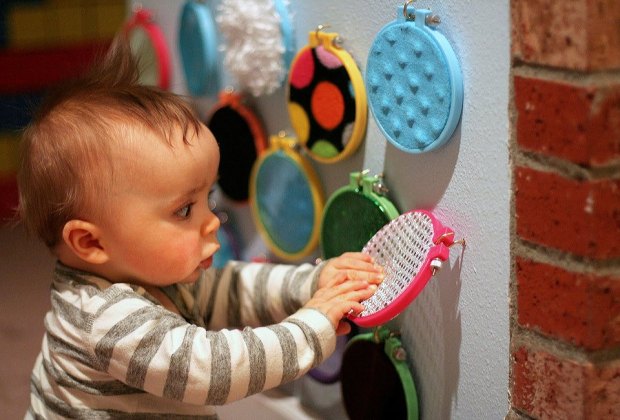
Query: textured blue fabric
(414,84)
(285,202)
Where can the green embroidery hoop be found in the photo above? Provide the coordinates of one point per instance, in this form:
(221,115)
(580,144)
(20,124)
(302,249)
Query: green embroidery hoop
(354,213)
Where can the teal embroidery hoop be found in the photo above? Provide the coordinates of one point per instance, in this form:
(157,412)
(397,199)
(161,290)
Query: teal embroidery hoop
(414,82)
(198,44)
(288,31)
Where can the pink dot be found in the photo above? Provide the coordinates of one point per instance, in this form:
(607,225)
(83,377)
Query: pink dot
(328,59)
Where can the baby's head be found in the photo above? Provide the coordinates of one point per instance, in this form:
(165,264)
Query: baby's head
(99,141)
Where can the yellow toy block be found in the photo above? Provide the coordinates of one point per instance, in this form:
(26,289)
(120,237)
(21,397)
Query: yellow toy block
(9,153)
(110,18)
(27,26)
(70,24)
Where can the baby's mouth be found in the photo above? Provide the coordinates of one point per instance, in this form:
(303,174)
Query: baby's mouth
(206,263)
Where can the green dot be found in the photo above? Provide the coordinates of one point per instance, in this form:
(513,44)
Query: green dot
(324,149)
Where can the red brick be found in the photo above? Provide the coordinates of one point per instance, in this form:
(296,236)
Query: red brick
(603,34)
(548,387)
(579,34)
(603,392)
(576,123)
(583,309)
(578,217)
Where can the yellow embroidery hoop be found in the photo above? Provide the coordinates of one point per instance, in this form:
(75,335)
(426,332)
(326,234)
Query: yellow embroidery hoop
(278,236)
(299,116)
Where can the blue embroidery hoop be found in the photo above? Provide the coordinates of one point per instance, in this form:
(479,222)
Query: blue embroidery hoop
(287,30)
(414,82)
(198,44)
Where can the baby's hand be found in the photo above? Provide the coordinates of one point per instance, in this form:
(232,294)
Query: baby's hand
(355,265)
(339,297)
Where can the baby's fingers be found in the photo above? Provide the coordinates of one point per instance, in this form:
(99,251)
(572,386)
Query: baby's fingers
(373,277)
(356,261)
(345,289)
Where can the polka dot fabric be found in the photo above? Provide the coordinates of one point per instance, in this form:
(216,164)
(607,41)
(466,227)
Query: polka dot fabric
(326,99)
(414,84)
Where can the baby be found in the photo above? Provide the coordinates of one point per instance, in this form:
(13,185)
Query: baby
(115,179)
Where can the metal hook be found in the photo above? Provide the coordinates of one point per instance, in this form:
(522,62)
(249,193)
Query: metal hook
(320,28)
(430,19)
(336,42)
(408,16)
(379,187)
(375,335)
(361,175)
(445,235)
(461,242)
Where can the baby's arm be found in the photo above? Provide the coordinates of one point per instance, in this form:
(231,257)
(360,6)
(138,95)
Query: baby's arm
(255,294)
(166,356)
(150,348)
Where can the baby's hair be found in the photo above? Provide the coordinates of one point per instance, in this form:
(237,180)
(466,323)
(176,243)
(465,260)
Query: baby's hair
(66,168)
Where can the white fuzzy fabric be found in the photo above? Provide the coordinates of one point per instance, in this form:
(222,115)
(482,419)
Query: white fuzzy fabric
(253,47)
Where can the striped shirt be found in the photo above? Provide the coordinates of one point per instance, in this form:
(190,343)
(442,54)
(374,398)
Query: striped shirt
(111,350)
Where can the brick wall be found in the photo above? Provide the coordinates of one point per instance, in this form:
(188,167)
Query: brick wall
(565,285)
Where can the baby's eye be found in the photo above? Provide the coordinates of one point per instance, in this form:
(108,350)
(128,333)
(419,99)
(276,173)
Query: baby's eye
(185,211)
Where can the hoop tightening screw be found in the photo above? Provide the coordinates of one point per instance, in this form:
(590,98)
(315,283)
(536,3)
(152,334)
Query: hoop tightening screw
(400,354)
(433,20)
(435,265)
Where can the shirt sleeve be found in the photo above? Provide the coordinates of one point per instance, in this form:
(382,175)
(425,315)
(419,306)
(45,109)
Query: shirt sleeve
(150,348)
(246,294)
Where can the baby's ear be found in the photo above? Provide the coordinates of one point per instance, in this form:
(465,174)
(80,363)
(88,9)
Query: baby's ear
(84,240)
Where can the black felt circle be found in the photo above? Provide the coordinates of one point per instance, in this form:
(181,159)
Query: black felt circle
(371,386)
(237,151)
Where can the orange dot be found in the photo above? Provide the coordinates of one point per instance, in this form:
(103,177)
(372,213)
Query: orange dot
(327,105)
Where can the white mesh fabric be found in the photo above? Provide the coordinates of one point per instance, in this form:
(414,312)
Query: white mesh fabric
(400,247)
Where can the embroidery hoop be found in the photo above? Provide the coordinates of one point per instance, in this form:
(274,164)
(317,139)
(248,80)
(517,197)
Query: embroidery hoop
(298,200)
(411,249)
(414,82)
(148,44)
(234,173)
(375,379)
(198,45)
(324,48)
(354,213)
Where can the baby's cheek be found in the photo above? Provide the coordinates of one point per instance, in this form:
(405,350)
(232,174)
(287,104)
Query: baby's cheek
(184,253)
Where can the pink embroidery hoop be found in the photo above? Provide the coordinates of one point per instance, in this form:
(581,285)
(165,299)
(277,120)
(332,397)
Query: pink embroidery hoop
(411,249)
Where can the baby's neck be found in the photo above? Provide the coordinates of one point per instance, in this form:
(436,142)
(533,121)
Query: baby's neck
(165,301)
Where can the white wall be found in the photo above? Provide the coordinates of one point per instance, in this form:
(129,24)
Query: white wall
(456,332)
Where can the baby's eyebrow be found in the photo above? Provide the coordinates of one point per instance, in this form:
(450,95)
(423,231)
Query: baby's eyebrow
(191,192)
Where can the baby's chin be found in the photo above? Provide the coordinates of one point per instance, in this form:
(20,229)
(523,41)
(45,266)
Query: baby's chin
(195,275)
